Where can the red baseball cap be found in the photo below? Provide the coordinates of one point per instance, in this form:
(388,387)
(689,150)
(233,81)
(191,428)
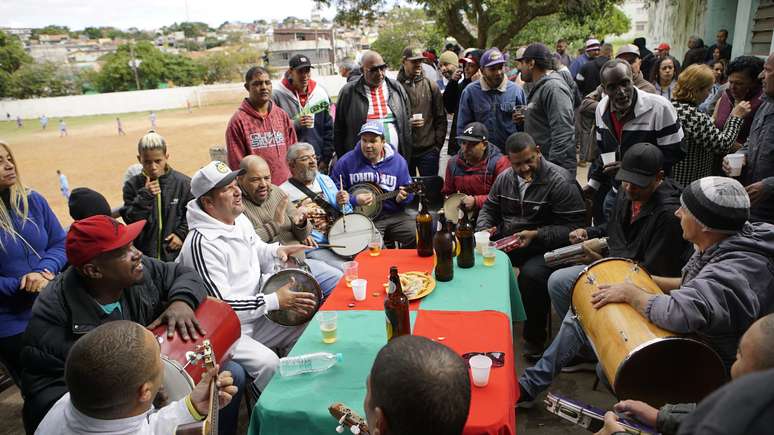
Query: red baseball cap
(663,46)
(96,235)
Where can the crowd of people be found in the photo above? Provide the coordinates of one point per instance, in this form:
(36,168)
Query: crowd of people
(654,131)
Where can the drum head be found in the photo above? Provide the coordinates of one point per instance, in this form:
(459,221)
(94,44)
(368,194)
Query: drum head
(305,282)
(451,207)
(177,383)
(359,231)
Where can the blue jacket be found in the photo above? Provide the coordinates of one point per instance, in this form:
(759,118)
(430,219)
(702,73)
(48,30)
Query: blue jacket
(493,108)
(389,174)
(46,238)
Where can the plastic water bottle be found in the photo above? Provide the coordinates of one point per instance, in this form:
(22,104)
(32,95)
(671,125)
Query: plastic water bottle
(312,362)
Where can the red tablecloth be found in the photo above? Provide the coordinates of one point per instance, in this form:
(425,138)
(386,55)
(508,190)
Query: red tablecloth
(492,408)
(376,270)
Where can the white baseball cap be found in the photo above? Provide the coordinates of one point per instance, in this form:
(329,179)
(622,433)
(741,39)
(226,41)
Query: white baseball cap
(212,176)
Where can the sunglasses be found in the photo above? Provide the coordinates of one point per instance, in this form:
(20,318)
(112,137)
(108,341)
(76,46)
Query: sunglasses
(498,358)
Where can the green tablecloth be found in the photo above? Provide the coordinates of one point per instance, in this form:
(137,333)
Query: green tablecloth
(299,404)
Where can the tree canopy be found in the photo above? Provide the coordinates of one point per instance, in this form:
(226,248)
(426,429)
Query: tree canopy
(155,67)
(406,27)
(12,57)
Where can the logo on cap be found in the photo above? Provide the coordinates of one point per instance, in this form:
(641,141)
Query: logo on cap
(221,167)
(495,55)
(469,130)
(303,59)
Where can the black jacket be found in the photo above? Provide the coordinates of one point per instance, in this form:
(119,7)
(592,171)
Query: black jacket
(451,102)
(352,111)
(552,204)
(140,204)
(654,239)
(64,312)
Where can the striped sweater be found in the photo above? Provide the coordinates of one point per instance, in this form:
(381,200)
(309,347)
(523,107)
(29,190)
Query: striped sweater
(654,121)
(231,260)
(262,218)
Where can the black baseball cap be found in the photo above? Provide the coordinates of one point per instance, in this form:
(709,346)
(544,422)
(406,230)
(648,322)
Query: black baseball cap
(474,132)
(536,51)
(300,61)
(641,164)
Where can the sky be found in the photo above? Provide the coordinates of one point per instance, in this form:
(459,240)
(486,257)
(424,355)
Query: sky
(147,14)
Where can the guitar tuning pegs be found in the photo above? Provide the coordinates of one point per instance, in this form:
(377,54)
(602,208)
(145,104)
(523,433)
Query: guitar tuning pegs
(340,429)
(355,429)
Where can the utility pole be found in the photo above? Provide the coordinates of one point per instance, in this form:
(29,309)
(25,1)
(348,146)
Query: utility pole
(133,64)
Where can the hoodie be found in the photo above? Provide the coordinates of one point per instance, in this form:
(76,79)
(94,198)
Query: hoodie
(231,260)
(389,173)
(475,180)
(724,290)
(321,135)
(268,136)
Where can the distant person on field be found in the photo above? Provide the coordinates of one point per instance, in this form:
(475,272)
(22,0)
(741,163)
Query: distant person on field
(152,118)
(64,185)
(43,122)
(19,122)
(260,127)
(120,127)
(159,195)
(62,128)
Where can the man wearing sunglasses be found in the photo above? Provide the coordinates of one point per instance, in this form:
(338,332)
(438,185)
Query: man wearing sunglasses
(373,97)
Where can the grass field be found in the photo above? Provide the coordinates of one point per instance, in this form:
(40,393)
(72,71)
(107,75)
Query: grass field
(94,156)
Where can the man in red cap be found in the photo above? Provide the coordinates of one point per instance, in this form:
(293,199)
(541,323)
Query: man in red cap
(662,51)
(109,280)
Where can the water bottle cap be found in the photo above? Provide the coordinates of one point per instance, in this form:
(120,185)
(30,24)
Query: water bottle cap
(339,357)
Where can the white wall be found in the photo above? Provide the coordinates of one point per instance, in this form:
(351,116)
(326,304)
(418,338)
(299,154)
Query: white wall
(139,101)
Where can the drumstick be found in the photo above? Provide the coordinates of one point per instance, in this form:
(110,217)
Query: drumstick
(325,245)
(343,217)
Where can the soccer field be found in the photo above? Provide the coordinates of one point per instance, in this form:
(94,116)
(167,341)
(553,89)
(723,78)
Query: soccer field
(94,155)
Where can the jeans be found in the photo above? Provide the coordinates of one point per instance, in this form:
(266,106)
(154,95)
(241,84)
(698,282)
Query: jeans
(560,286)
(397,227)
(229,416)
(327,256)
(570,341)
(426,164)
(325,274)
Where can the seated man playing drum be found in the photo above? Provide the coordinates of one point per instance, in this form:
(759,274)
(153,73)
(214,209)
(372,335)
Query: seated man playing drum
(726,285)
(473,170)
(376,162)
(109,279)
(276,220)
(231,260)
(318,193)
(112,374)
(533,201)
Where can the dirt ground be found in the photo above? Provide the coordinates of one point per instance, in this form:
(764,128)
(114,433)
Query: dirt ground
(94,155)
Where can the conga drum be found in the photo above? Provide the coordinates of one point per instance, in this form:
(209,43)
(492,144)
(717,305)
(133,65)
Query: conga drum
(181,370)
(642,361)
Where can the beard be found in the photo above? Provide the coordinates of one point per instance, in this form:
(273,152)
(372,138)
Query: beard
(307,175)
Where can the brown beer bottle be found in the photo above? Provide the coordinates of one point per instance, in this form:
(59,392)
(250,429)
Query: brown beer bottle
(443,244)
(424,228)
(396,308)
(466,257)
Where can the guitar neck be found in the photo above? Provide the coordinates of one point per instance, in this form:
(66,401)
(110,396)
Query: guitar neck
(390,195)
(212,416)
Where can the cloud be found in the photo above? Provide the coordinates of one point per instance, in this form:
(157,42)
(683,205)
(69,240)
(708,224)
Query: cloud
(147,14)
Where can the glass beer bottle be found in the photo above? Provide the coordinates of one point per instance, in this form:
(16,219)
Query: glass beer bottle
(396,308)
(443,244)
(424,229)
(466,257)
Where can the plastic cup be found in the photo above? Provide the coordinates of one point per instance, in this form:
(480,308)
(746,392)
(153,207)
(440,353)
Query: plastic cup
(608,158)
(350,272)
(482,240)
(417,116)
(480,365)
(735,161)
(359,289)
(327,321)
(490,253)
(520,109)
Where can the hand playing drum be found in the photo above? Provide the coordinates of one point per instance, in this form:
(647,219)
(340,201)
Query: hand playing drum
(300,302)
(342,198)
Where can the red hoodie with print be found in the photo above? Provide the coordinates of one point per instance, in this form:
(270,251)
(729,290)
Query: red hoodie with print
(268,136)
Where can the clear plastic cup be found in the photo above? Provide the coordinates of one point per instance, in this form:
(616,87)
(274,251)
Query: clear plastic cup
(482,241)
(327,321)
(417,116)
(350,272)
(608,158)
(359,288)
(480,365)
(490,254)
(735,161)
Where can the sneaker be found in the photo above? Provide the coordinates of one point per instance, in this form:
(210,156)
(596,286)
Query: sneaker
(525,400)
(579,364)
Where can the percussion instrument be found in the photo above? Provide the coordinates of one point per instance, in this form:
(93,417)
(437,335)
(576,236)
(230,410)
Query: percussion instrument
(642,361)
(348,418)
(372,210)
(590,417)
(180,358)
(354,232)
(451,207)
(509,243)
(574,254)
(209,426)
(304,282)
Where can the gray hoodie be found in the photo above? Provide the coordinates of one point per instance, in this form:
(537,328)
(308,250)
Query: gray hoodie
(724,290)
(550,120)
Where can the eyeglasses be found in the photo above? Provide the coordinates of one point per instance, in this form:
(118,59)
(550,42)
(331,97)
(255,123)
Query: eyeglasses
(498,358)
(306,159)
(376,69)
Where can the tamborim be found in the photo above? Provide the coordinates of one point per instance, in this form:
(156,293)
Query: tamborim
(353,231)
(181,371)
(642,361)
(305,282)
(451,207)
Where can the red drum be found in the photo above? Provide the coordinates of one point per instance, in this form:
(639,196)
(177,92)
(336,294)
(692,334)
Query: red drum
(223,331)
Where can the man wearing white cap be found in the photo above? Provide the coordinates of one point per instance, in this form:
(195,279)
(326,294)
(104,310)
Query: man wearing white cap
(231,259)
(592,51)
